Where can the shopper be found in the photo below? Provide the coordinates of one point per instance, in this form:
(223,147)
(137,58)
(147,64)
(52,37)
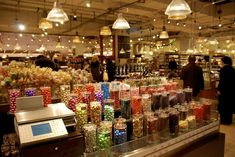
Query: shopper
(192,76)
(86,66)
(96,69)
(226,87)
(43,61)
(110,67)
(172,68)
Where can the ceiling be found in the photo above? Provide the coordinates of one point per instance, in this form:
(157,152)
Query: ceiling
(146,17)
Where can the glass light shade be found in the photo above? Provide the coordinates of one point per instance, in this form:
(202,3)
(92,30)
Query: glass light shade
(57,14)
(17,46)
(45,24)
(122,51)
(105,30)
(76,39)
(177,10)
(164,33)
(213,41)
(121,23)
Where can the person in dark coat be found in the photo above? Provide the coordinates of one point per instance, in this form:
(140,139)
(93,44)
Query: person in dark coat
(172,68)
(192,76)
(110,67)
(96,69)
(226,87)
(43,61)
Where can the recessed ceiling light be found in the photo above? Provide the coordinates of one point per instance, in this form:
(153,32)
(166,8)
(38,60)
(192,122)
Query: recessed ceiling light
(56,24)
(220,25)
(154,20)
(169,21)
(200,27)
(69,41)
(154,37)
(88,4)
(42,35)
(177,23)
(8,45)
(184,24)
(21,27)
(21,35)
(16,39)
(33,35)
(8,38)
(45,33)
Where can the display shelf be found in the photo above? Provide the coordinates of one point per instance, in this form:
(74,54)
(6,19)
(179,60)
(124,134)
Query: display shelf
(142,147)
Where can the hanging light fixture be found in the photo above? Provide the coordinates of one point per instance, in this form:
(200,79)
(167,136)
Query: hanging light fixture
(105,30)
(164,34)
(17,46)
(178,10)
(121,23)
(76,39)
(122,51)
(57,14)
(45,24)
(213,41)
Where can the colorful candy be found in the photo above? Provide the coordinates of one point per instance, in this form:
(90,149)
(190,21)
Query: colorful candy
(90,138)
(46,93)
(78,89)
(126,108)
(105,90)
(137,125)
(109,110)
(30,91)
(114,94)
(81,115)
(120,131)
(143,90)
(95,112)
(136,105)
(73,100)
(13,94)
(206,111)
(91,89)
(134,91)
(64,93)
(174,122)
(146,102)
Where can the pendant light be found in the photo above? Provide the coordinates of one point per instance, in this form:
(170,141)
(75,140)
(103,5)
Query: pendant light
(44,24)
(57,14)
(164,34)
(178,10)
(76,39)
(105,30)
(121,23)
(122,51)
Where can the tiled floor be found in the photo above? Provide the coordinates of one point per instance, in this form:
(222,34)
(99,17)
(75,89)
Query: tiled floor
(229,131)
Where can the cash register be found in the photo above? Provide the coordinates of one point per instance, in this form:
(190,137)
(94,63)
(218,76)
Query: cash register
(37,124)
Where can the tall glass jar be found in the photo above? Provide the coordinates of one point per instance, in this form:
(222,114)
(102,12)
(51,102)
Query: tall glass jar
(109,110)
(156,101)
(114,94)
(134,91)
(64,93)
(86,100)
(146,115)
(120,131)
(81,115)
(73,100)
(90,138)
(96,112)
(152,128)
(188,94)
(164,125)
(137,125)
(174,122)
(105,89)
(198,112)
(206,111)
(146,102)
(104,141)
(13,94)
(191,116)
(78,89)
(126,108)
(143,90)
(136,105)
(165,102)
(46,93)
(183,123)
(91,89)
(30,91)
(99,97)
(180,96)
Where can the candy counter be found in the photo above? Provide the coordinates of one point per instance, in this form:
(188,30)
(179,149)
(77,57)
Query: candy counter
(112,115)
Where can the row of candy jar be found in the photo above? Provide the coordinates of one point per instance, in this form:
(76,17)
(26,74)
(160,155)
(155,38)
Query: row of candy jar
(13,94)
(174,122)
(73,101)
(64,93)
(78,89)
(91,89)
(30,91)
(105,89)
(183,123)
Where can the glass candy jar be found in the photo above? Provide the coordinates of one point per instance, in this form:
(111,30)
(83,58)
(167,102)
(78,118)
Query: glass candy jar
(109,110)
(136,105)
(30,91)
(90,138)
(120,131)
(146,103)
(104,135)
(46,93)
(64,93)
(95,112)
(73,100)
(164,125)
(81,115)
(174,122)
(137,125)
(183,123)
(126,108)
